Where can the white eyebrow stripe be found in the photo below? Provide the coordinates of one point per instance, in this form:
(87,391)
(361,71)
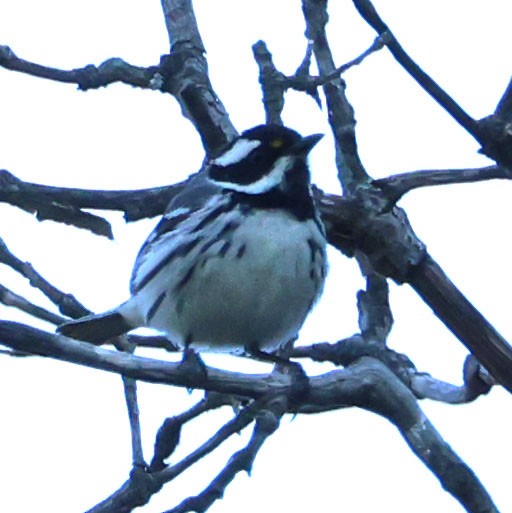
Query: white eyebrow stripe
(237,152)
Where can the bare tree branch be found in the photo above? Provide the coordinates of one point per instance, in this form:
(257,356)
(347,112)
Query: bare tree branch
(141,485)
(272,83)
(476,383)
(375,317)
(463,319)
(382,232)
(385,237)
(347,351)
(305,82)
(267,423)
(351,171)
(132,405)
(67,303)
(396,186)
(389,242)
(168,436)
(370,15)
(10,298)
(18,193)
(88,77)
(493,133)
(504,107)
(185,75)
(367,383)
(136,204)
(365,224)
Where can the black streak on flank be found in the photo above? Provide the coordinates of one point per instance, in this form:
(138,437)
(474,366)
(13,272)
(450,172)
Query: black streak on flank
(225,248)
(185,279)
(207,245)
(154,307)
(241,251)
(211,216)
(227,228)
(312,249)
(178,252)
(168,224)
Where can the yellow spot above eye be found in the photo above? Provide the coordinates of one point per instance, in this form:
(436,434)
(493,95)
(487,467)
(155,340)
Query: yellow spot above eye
(276,143)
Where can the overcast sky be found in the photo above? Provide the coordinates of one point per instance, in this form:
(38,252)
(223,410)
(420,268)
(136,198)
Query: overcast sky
(64,438)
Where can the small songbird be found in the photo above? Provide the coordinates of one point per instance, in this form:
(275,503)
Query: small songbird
(237,262)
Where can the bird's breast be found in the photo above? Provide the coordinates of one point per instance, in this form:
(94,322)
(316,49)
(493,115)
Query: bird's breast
(252,284)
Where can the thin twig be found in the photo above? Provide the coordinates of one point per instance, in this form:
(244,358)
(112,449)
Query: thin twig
(10,298)
(132,405)
(67,303)
(302,83)
(141,485)
(396,186)
(89,77)
(168,436)
(267,423)
(370,15)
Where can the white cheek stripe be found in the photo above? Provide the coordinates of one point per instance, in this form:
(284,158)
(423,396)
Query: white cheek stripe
(266,182)
(239,151)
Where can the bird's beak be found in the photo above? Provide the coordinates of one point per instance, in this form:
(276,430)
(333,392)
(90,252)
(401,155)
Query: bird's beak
(306,144)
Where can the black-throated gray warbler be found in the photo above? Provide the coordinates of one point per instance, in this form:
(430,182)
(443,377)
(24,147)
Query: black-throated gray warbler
(239,259)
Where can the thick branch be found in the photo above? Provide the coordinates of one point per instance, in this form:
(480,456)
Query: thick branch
(19,194)
(463,319)
(136,204)
(271,82)
(185,75)
(388,241)
(363,222)
(351,171)
(345,352)
(367,384)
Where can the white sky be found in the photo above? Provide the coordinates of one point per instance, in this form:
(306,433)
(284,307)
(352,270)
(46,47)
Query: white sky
(64,439)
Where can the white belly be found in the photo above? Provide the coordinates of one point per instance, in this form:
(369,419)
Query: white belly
(255,292)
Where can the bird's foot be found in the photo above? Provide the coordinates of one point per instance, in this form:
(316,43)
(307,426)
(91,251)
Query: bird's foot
(300,381)
(194,367)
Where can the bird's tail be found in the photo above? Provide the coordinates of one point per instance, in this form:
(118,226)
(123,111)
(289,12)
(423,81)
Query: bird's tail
(96,329)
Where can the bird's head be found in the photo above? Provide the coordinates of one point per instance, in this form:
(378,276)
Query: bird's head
(263,158)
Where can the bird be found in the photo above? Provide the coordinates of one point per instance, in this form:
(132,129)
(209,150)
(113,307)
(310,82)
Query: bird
(238,260)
